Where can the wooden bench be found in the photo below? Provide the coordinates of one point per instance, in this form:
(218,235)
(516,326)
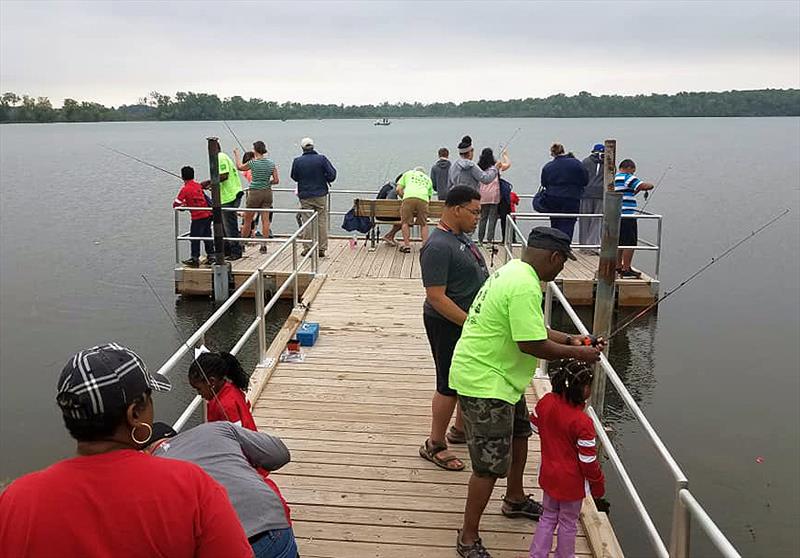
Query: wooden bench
(388,211)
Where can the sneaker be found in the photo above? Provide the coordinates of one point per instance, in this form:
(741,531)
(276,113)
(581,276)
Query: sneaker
(630,274)
(528,508)
(475,550)
(191,262)
(322,253)
(259,235)
(207,261)
(305,251)
(233,257)
(263,249)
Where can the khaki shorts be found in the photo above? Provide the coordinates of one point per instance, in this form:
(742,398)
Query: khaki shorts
(257,199)
(411,208)
(491,426)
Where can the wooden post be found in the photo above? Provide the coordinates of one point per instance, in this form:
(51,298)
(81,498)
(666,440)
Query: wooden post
(607,271)
(220,267)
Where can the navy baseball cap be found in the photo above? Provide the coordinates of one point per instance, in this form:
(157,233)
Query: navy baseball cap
(104,378)
(548,238)
(598,148)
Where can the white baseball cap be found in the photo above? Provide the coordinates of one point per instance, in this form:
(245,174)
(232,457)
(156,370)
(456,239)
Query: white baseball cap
(306,142)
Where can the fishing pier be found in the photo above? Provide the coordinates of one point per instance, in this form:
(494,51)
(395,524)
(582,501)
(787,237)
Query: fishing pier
(355,410)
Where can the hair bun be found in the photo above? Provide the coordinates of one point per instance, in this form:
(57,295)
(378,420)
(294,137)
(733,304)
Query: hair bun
(466,141)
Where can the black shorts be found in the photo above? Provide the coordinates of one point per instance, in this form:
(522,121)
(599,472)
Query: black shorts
(628,232)
(443,336)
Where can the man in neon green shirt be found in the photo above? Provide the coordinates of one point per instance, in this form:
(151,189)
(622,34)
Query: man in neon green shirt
(230,194)
(493,364)
(416,189)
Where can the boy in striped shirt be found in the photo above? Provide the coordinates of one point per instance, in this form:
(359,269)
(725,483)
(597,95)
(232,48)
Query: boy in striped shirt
(625,181)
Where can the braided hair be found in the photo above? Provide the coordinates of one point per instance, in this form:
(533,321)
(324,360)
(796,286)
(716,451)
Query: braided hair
(570,379)
(220,365)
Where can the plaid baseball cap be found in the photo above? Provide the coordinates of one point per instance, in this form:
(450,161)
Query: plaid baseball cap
(103,378)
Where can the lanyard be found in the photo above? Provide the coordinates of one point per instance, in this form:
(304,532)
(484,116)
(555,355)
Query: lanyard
(466,242)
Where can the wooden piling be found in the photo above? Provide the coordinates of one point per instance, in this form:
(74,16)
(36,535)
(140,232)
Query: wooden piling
(607,270)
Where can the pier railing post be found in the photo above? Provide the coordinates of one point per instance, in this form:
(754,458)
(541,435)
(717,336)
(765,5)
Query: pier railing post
(679,539)
(296,272)
(177,233)
(548,320)
(607,271)
(315,242)
(220,267)
(262,324)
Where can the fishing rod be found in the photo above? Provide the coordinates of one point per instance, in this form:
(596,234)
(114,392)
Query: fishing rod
(593,340)
(505,145)
(647,195)
(228,126)
(141,161)
(185,342)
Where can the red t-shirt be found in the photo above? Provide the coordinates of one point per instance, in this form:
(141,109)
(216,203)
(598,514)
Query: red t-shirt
(569,450)
(231,405)
(191,195)
(237,410)
(117,505)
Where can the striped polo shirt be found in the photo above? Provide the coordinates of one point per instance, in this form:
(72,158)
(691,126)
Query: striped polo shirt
(626,183)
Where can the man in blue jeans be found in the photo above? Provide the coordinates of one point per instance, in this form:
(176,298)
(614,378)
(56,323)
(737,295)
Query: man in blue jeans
(230,195)
(230,453)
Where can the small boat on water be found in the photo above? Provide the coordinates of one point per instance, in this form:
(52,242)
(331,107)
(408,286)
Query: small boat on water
(382,122)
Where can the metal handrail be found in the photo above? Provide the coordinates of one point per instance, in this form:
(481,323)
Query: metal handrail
(685,506)
(642,246)
(262,309)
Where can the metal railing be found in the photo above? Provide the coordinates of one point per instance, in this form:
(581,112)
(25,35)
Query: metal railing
(685,506)
(256,281)
(643,245)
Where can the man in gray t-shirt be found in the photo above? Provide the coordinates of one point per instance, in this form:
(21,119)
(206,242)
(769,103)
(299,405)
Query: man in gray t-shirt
(453,271)
(230,453)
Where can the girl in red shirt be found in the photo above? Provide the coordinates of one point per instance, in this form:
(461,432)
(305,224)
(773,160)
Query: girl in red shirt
(569,467)
(220,380)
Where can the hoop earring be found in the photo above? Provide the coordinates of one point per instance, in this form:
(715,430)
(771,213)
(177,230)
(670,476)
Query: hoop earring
(149,434)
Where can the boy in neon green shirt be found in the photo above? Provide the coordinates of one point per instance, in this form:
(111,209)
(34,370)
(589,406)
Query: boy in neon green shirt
(493,364)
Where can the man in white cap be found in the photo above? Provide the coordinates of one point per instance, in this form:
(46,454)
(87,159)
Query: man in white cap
(313,173)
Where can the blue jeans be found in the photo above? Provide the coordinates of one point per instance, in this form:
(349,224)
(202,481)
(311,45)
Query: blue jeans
(201,227)
(230,224)
(557,204)
(278,543)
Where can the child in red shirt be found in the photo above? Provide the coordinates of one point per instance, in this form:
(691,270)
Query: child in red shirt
(219,378)
(191,195)
(569,467)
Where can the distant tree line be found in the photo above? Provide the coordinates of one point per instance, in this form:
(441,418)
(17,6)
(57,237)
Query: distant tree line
(205,106)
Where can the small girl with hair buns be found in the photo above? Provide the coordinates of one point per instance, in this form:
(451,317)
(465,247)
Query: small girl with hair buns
(569,466)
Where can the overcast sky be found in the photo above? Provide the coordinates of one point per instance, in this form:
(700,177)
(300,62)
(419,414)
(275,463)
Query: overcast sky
(369,52)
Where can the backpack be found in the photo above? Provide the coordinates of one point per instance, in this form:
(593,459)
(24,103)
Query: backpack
(504,207)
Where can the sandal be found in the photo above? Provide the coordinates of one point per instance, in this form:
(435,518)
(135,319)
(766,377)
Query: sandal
(455,436)
(528,508)
(475,550)
(389,241)
(405,249)
(431,453)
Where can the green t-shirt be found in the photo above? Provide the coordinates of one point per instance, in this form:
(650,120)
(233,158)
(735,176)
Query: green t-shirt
(231,187)
(262,173)
(416,184)
(487,362)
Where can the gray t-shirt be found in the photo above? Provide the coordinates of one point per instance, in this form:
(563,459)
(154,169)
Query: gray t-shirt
(225,451)
(455,262)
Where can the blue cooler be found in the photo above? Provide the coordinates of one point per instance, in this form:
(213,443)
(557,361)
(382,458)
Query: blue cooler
(307,333)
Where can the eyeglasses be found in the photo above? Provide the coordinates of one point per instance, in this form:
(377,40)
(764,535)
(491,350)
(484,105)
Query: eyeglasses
(475,212)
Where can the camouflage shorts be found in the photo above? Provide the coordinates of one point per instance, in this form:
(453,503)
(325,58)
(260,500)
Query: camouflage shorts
(490,426)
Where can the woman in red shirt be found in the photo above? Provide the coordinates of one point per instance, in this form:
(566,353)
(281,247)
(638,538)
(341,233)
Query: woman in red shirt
(220,380)
(569,467)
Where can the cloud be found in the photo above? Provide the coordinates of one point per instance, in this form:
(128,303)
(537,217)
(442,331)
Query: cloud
(359,52)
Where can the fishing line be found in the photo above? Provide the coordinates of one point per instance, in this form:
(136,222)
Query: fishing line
(686,281)
(234,135)
(140,161)
(185,343)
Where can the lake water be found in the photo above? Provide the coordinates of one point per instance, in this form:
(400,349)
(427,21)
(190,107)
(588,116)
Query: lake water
(717,370)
